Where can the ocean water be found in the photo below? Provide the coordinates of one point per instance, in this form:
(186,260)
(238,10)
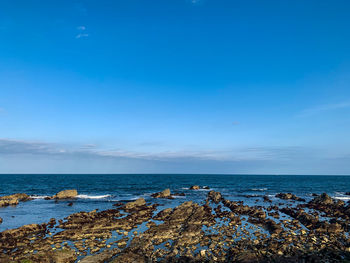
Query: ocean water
(98,191)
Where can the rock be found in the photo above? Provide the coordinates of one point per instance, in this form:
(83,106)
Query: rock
(179,194)
(266,199)
(215,196)
(136,203)
(66,194)
(101,257)
(347,193)
(323,199)
(164,194)
(118,204)
(194,187)
(206,187)
(64,256)
(0,220)
(13,199)
(70,204)
(287,196)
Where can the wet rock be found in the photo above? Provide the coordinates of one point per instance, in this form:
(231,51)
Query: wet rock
(164,194)
(194,187)
(288,196)
(266,199)
(136,203)
(323,199)
(214,196)
(179,194)
(118,204)
(0,220)
(70,204)
(65,194)
(13,199)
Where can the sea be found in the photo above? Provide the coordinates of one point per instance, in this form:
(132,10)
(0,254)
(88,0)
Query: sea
(101,191)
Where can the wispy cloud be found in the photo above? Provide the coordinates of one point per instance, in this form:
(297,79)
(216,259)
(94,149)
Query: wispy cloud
(324,108)
(81,32)
(19,156)
(8,146)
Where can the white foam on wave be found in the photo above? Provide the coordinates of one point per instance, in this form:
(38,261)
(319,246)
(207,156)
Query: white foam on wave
(38,196)
(342,197)
(259,189)
(93,196)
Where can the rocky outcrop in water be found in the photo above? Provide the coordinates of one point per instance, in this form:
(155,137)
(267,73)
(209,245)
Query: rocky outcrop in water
(164,194)
(13,199)
(66,194)
(215,197)
(289,196)
(213,229)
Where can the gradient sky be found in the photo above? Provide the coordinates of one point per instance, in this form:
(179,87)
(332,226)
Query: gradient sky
(175,86)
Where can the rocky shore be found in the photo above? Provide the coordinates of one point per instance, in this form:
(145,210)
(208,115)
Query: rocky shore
(213,230)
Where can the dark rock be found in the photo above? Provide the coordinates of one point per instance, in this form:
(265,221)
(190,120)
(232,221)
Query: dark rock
(118,204)
(323,199)
(194,187)
(179,194)
(266,199)
(287,196)
(214,196)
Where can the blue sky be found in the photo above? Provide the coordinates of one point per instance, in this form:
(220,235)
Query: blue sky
(175,86)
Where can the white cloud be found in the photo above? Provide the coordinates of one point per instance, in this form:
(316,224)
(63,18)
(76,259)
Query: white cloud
(81,32)
(80,35)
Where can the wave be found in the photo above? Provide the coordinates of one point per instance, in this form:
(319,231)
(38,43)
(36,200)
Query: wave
(93,196)
(342,197)
(258,189)
(38,196)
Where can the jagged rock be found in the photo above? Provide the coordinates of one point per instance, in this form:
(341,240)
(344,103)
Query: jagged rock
(287,196)
(215,196)
(136,203)
(194,187)
(13,199)
(323,199)
(164,194)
